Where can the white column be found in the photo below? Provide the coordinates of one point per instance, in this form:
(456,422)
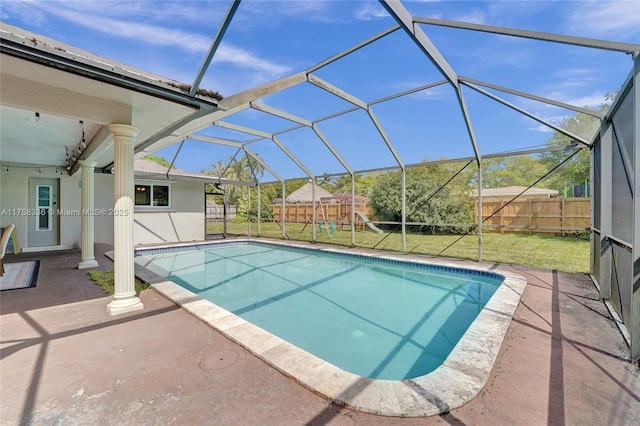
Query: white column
(124,298)
(88,259)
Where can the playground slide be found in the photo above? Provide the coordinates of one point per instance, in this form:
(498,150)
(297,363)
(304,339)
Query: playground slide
(368,222)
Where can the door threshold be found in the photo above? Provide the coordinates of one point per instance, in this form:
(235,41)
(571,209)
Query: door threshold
(44,248)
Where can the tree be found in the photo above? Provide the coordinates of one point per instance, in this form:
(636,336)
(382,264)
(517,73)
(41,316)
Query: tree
(451,204)
(362,183)
(576,170)
(522,170)
(243,169)
(157,159)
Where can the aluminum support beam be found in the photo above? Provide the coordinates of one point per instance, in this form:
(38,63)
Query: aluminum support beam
(230,161)
(265,135)
(528,114)
(404,210)
(353,48)
(336,114)
(328,87)
(244,98)
(259,204)
(634,326)
(408,92)
(480,215)
(174,158)
(248,212)
(313,211)
(472,137)
(587,111)
(279,113)
(606,207)
(328,144)
(226,21)
(353,210)
(385,137)
(262,163)
(217,141)
(535,35)
(402,17)
(458,160)
(242,129)
(359,103)
(284,206)
(291,156)
(290,129)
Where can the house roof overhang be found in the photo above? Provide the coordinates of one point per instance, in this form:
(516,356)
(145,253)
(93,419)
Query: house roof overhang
(74,92)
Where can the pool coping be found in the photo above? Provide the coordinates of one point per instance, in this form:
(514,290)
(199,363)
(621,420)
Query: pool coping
(458,380)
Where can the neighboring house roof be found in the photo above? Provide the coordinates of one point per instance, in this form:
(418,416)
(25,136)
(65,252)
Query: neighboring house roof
(512,191)
(152,170)
(304,194)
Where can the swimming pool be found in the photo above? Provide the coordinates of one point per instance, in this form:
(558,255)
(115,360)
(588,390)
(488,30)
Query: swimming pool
(329,320)
(376,318)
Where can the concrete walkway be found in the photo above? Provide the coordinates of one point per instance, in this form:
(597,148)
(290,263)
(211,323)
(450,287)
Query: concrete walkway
(65,361)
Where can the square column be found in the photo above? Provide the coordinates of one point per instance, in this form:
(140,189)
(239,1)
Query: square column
(124,298)
(88,259)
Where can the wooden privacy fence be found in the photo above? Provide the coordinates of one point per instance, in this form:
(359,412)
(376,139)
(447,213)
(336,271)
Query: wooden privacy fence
(301,213)
(541,216)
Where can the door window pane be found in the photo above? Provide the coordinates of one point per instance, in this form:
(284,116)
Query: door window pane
(43,219)
(44,196)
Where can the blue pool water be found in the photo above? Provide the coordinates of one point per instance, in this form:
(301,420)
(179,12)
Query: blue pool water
(373,317)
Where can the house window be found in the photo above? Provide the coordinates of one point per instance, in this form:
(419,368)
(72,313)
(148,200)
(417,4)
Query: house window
(152,195)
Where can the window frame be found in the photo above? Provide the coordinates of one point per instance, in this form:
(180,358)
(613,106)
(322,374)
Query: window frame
(151,185)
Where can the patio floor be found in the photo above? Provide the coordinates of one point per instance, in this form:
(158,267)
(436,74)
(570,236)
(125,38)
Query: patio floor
(66,361)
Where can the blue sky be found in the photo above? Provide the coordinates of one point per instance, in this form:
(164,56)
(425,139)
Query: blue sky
(268,40)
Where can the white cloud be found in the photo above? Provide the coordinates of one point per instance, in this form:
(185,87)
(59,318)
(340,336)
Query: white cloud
(433,93)
(160,35)
(541,128)
(473,17)
(593,100)
(22,12)
(310,10)
(370,12)
(605,18)
(245,59)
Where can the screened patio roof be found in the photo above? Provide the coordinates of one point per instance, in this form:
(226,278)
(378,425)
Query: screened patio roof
(395,91)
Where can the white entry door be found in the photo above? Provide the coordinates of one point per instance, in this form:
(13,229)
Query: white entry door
(43,203)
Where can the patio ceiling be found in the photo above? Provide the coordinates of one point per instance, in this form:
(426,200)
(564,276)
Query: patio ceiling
(66,86)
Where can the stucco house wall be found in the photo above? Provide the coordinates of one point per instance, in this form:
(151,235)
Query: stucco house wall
(183,221)
(14,201)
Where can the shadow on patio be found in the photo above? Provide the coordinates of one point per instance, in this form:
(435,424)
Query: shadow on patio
(66,361)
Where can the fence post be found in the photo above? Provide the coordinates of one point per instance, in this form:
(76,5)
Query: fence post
(562,213)
(501,223)
(530,217)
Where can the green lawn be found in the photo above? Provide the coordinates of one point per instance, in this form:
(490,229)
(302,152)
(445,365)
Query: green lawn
(548,252)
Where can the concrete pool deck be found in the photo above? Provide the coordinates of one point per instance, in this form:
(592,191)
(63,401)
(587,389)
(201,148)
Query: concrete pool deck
(66,361)
(457,381)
